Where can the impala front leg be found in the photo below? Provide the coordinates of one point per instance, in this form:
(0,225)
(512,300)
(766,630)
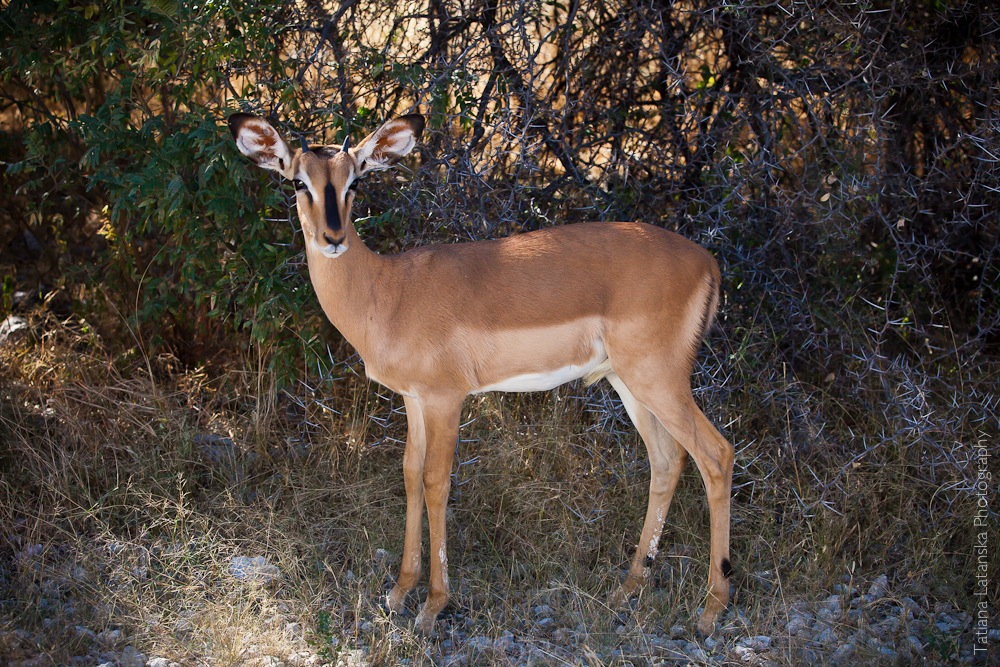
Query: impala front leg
(441,417)
(413,479)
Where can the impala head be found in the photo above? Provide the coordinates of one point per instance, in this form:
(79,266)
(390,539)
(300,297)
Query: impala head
(325,177)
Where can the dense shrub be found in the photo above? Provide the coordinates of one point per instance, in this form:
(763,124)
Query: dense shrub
(841,161)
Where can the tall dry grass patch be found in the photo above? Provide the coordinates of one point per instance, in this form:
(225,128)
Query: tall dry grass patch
(126,497)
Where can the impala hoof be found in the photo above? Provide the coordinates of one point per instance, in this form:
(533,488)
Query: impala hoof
(619,599)
(424,625)
(632,587)
(706,624)
(394,600)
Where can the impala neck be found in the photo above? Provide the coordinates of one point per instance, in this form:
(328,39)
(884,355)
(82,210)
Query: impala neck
(347,287)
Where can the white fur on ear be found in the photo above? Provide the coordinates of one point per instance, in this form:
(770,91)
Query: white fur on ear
(388,144)
(260,142)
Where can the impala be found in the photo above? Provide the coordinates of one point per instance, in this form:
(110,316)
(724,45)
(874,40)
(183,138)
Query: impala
(627,302)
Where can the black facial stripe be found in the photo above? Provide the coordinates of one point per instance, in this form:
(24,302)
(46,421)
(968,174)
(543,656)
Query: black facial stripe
(332,208)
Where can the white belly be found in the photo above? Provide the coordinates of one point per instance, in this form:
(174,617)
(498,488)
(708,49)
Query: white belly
(549,379)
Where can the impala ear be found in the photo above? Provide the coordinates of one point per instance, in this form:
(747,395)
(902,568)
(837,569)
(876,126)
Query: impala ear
(387,145)
(261,143)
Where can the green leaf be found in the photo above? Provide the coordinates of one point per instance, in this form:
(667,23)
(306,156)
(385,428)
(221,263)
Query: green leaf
(166,8)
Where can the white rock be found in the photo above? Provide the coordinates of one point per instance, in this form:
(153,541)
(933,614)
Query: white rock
(757,643)
(697,653)
(353,658)
(950,621)
(842,654)
(912,608)
(114,547)
(110,636)
(183,626)
(826,637)
(257,569)
(887,628)
(13,328)
(678,646)
(506,641)
(479,643)
(131,657)
(157,662)
(543,610)
(796,625)
(879,587)
(829,609)
(844,589)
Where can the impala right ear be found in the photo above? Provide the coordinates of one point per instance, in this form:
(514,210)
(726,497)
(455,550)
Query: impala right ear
(261,143)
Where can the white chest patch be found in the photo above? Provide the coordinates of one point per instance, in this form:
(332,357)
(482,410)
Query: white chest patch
(545,380)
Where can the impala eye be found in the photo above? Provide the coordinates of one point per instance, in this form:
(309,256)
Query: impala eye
(300,186)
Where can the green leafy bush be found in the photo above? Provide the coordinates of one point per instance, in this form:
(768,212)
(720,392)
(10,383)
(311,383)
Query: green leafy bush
(121,107)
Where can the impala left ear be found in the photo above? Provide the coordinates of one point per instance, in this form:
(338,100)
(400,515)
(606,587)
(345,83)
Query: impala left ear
(388,145)
(260,142)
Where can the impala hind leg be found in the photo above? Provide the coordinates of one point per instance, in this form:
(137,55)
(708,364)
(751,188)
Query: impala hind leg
(413,479)
(714,456)
(666,461)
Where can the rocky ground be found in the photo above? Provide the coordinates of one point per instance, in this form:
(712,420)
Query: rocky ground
(869,625)
(192,597)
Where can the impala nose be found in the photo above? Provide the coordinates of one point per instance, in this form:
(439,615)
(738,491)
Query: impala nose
(334,248)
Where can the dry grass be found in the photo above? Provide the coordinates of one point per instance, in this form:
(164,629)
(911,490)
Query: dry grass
(107,464)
